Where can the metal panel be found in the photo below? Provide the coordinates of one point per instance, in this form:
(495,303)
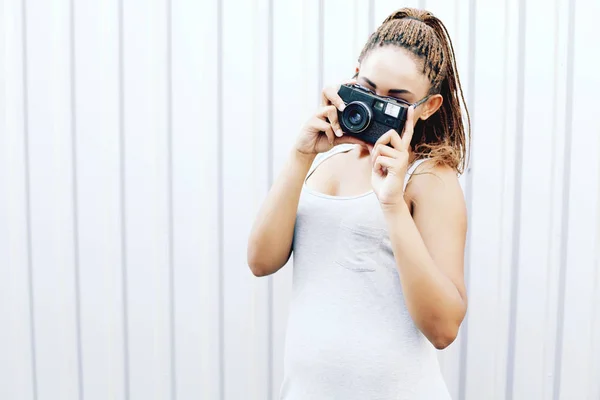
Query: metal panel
(194,73)
(146,183)
(52,215)
(17,366)
(96,114)
(139,139)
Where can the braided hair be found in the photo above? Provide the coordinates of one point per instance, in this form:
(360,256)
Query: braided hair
(442,136)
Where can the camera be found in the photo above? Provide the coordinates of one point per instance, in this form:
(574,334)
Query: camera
(368,116)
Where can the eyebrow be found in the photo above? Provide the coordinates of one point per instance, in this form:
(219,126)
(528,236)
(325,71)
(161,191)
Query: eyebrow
(396,91)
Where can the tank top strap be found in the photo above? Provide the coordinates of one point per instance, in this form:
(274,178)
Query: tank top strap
(411,170)
(341,148)
(347,147)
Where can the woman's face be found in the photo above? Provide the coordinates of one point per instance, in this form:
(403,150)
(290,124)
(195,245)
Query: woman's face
(392,71)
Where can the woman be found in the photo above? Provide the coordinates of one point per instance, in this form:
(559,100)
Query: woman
(377,232)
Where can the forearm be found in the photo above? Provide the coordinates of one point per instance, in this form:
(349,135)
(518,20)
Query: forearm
(432,299)
(271,238)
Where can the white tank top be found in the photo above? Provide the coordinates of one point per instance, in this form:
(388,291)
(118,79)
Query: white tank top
(349,334)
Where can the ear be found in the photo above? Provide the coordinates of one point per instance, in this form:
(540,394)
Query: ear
(431,106)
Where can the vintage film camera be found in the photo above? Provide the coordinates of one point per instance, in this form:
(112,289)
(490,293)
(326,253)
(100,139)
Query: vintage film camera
(368,116)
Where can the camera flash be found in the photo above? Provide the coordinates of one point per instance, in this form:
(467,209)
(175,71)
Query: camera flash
(392,110)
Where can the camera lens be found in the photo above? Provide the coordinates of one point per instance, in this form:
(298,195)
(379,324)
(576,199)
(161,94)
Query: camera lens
(356,117)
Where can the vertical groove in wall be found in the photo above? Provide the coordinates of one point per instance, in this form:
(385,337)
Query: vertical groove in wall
(565,203)
(594,383)
(27,178)
(503,209)
(550,271)
(220,198)
(270,95)
(355,23)
(462,371)
(122,201)
(169,82)
(371,22)
(321,48)
(76,255)
(516,228)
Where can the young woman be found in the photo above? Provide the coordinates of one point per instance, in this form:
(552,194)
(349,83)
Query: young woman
(377,232)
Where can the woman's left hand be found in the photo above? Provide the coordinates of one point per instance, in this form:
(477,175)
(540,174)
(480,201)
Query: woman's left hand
(391,163)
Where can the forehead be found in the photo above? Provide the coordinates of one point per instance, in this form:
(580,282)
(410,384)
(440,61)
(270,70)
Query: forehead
(392,67)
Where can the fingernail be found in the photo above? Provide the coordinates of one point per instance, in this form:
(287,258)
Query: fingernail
(342,106)
(339,133)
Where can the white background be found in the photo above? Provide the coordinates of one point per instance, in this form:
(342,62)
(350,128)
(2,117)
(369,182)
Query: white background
(139,138)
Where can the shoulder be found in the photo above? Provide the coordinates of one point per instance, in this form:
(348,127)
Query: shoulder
(434,185)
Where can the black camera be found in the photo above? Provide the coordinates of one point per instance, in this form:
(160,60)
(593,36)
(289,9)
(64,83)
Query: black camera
(368,116)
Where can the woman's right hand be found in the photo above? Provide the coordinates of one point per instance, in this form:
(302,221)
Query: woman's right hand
(323,131)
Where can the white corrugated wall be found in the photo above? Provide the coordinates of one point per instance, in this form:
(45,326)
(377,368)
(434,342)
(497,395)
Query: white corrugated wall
(139,138)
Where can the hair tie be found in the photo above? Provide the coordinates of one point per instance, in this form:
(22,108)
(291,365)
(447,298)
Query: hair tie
(415,18)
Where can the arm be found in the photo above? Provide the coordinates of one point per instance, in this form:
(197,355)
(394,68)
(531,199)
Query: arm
(270,242)
(429,251)
(429,244)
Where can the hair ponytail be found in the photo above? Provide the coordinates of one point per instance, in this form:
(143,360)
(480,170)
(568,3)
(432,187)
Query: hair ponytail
(442,136)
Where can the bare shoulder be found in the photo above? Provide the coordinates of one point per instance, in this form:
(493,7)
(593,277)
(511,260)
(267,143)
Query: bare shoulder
(435,186)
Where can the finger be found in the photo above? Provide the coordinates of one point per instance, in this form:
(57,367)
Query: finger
(330,135)
(330,112)
(383,150)
(390,137)
(409,128)
(320,125)
(332,116)
(383,162)
(324,100)
(325,111)
(331,96)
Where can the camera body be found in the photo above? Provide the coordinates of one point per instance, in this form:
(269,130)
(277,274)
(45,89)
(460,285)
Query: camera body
(368,116)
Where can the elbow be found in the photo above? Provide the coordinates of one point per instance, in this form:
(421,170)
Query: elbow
(258,264)
(258,269)
(263,258)
(443,330)
(443,339)
(443,336)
